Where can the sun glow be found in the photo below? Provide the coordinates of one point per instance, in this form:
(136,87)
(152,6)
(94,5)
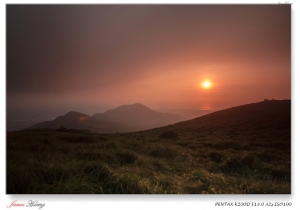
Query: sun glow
(206,84)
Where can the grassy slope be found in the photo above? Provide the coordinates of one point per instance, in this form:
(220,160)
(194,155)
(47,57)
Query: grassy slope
(244,149)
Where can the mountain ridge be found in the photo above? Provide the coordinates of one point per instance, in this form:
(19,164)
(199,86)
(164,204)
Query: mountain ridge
(244,149)
(262,118)
(138,115)
(125,118)
(266,114)
(187,113)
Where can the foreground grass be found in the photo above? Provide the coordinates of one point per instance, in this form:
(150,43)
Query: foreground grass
(224,161)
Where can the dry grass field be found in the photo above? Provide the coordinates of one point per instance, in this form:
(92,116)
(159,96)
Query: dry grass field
(241,150)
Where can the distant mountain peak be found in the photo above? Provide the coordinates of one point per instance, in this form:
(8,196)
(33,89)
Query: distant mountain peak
(138,115)
(133,107)
(135,104)
(74,113)
(77,120)
(138,104)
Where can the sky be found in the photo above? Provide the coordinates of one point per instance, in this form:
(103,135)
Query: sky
(96,57)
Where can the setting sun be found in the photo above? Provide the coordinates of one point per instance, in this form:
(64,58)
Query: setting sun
(206,84)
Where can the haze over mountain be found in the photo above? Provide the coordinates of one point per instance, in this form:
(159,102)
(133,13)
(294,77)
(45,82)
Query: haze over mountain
(244,150)
(155,54)
(263,118)
(124,118)
(138,115)
(187,113)
(21,117)
(76,120)
(89,59)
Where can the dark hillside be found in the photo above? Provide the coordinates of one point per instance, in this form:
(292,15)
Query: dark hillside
(266,118)
(241,150)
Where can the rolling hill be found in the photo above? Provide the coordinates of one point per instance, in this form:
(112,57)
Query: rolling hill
(240,150)
(126,118)
(262,118)
(76,120)
(187,113)
(138,115)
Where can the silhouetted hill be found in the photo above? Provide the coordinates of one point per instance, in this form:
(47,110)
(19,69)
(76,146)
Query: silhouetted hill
(138,115)
(187,113)
(76,120)
(244,150)
(251,120)
(126,118)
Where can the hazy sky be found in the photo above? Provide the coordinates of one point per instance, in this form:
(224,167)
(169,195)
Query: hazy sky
(59,56)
